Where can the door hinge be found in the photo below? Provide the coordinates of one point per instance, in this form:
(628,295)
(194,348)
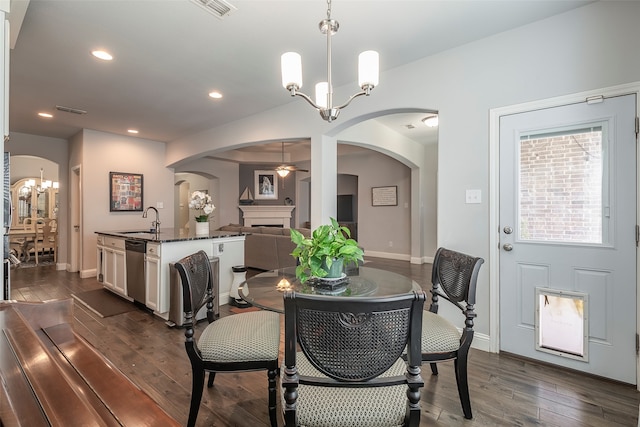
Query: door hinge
(637,126)
(637,344)
(595,99)
(637,235)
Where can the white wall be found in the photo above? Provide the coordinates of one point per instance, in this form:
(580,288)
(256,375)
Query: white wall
(587,48)
(29,167)
(103,153)
(382,230)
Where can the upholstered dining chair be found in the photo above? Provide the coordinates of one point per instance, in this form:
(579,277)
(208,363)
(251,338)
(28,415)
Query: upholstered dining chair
(238,342)
(453,277)
(349,369)
(47,239)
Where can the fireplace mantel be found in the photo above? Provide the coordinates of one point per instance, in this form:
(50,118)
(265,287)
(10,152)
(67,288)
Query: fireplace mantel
(266,215)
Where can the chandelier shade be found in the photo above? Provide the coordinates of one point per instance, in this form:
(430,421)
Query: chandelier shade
(291,65)
(368,69)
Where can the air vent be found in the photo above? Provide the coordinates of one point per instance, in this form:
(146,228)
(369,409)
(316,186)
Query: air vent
(410,126)
(218,8)
(70,110)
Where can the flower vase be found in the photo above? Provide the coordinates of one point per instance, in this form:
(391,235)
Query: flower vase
(202,228)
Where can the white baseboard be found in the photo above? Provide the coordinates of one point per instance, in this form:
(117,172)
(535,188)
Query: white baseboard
(61,266)
(388,255)
(88,273)
(481,342)
(400,257)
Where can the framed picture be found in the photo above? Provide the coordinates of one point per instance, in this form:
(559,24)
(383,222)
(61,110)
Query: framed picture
(266,185)
(384,196)
(125,192)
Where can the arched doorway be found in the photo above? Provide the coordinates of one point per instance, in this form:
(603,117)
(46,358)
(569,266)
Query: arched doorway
(186,183)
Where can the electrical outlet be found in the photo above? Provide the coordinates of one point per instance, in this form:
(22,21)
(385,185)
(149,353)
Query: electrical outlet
(390,244)
(160,205)
(474,196)
(218,248)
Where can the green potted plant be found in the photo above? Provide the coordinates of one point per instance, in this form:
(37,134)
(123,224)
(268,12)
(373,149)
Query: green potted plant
(324,253)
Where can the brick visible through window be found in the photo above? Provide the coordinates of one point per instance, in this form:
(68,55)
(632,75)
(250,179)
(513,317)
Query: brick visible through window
(561,187)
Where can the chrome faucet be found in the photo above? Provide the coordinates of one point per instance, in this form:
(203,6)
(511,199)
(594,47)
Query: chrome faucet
(155,224)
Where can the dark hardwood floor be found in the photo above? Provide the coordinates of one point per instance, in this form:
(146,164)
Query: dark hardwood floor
(505,390)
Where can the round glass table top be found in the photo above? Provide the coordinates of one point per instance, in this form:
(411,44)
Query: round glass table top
(265,290)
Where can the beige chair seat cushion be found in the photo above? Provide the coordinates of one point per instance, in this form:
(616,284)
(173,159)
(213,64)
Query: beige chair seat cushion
(349,407)
(438,334)
(242,337)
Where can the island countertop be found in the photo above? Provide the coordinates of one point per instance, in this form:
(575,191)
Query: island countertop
(168,235)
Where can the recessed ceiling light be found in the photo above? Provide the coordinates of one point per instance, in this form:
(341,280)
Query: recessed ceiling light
(132,130)
(101,54)
(215,94)
(430,121)
(45,115)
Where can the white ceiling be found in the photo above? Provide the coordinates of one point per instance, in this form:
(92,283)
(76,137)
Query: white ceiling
(169,54)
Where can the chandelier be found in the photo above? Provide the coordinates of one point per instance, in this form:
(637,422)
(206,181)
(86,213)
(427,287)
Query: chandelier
(44,184)
(291,63)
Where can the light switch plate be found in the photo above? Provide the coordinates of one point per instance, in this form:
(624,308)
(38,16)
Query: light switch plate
(474,196)
(159,205)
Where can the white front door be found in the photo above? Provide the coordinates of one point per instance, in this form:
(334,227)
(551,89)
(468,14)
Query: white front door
(568,236)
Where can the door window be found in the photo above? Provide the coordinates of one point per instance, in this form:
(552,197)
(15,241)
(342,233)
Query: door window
(562,186)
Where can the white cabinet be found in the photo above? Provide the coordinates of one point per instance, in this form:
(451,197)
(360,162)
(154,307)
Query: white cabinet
(112,264)
(112,269)
(152,280)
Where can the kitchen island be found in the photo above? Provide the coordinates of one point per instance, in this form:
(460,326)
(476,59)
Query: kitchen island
(144,272)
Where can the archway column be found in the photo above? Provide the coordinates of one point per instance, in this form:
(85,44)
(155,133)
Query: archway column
(324,179)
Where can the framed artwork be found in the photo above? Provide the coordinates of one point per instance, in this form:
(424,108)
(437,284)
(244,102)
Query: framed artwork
(266,185)
(125,192)
(384,196)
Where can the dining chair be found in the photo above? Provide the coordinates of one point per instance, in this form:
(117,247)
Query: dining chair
(238,342)
(453,278)
(349,370)
(46,239)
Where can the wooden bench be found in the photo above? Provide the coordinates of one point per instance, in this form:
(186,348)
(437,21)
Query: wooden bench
(52,376)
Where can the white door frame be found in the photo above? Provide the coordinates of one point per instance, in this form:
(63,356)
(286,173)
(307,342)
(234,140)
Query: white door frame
(494,197)
(75,218)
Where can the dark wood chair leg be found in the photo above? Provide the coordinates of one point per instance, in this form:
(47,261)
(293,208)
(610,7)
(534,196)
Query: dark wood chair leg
(434,368)
(212,376)
(460,366)
(196,395)
(271,373)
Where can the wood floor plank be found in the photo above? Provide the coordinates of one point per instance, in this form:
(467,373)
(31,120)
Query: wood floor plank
(505,390)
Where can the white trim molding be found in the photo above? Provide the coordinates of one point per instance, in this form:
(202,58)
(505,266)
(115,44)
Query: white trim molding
(494,196)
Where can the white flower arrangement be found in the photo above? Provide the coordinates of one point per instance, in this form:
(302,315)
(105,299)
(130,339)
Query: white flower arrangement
(202,202)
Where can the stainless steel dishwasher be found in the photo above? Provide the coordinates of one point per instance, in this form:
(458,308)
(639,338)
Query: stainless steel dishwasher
(135,251)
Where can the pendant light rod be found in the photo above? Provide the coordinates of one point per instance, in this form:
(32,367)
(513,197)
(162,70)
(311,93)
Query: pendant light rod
(368,72)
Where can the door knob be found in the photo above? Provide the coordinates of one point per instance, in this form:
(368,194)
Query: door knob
(507,247)
(508,230)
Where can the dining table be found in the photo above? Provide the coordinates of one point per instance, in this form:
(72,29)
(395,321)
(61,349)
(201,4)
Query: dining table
(24,239)
(266,290)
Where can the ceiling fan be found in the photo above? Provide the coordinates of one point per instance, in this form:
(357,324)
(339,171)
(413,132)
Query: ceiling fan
(284,169)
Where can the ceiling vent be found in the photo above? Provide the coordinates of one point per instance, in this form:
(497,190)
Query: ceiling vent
(410,126)
(218,8)
(70,110)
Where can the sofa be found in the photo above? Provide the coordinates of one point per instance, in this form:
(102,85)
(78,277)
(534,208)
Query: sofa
(267,248)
